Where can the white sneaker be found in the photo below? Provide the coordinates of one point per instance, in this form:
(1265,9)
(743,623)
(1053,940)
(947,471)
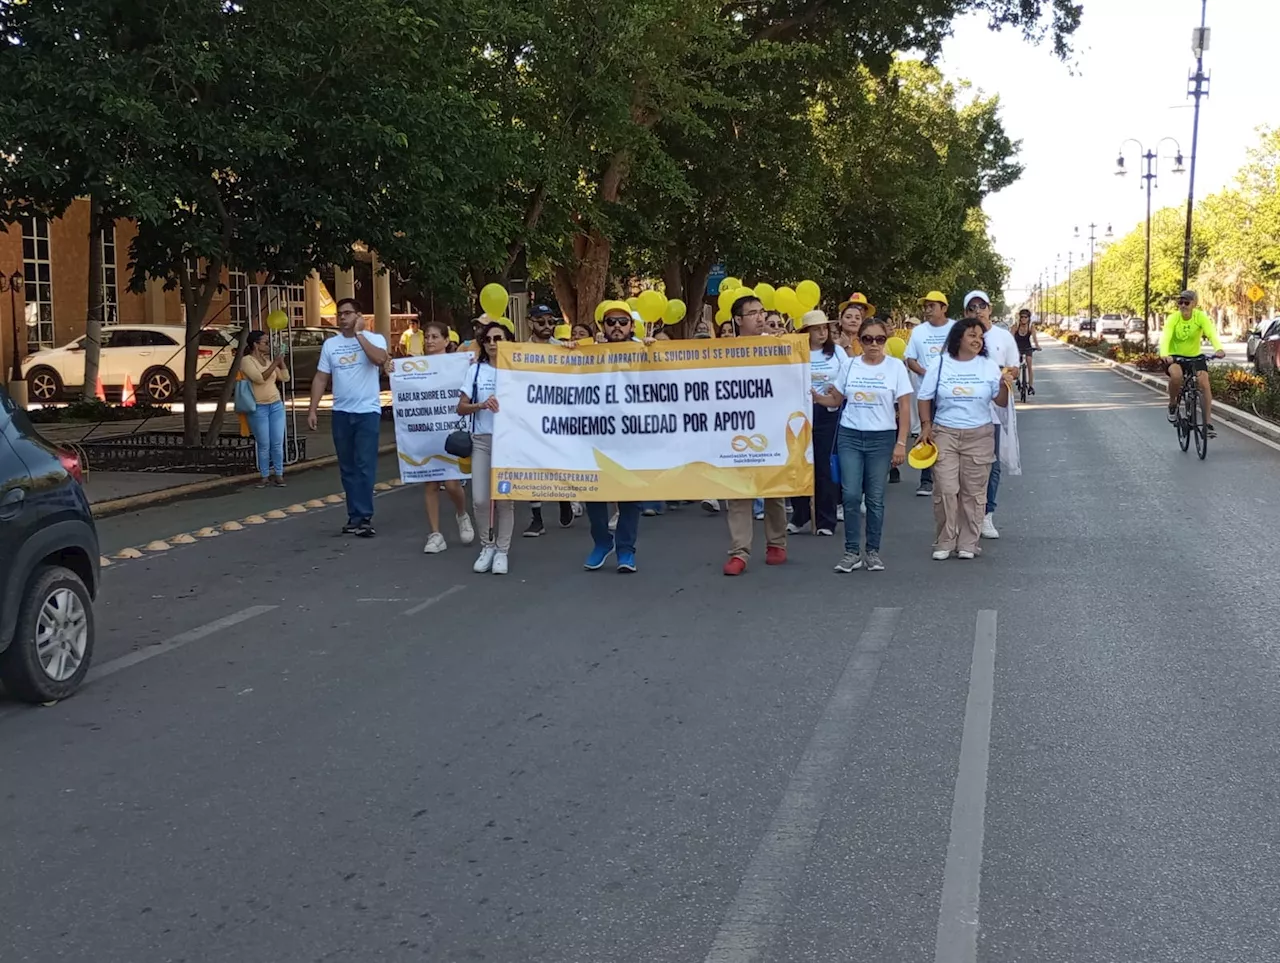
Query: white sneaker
(839,513)
(964,555)
(794,529)
(825,531)
(435,544)
(863,507)
(500,563)
(577,509)
(466,531)
(989,526)
(613,522)
(485,561)
(941,555)
(711,505)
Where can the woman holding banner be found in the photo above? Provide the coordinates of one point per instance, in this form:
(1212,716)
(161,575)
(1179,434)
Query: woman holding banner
(479,402)
(435,341)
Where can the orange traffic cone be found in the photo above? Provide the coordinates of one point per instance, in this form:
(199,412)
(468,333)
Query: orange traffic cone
(127,398)
(98,391)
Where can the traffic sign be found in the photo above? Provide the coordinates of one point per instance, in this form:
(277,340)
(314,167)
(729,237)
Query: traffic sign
(1254,293)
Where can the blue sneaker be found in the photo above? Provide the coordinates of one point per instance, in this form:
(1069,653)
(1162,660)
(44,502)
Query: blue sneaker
(599,555)
(626,561)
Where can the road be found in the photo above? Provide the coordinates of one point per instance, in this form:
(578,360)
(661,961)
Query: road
(306,747)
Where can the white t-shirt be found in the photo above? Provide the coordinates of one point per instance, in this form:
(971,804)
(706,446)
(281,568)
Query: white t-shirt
(871,392)
(965,393)
(824,372)
(353,375)
(1003,350)
(926,342)
(482,378)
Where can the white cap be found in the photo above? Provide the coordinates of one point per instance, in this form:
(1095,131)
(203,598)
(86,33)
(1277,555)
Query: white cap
(968,298)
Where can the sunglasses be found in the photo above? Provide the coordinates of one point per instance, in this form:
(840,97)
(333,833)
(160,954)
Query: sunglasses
(874,338)
(494,339)
(1183,302)
(616,322)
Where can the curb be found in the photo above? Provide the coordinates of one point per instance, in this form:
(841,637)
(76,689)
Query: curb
(114,506)
(1222,410)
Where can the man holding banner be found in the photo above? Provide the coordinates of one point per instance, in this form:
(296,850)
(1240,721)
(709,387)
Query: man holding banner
(749,319)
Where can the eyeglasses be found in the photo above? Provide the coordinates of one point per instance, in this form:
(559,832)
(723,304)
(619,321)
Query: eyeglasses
(494,339)
(874,338)
(616,322)
(754,313)
(1183,302)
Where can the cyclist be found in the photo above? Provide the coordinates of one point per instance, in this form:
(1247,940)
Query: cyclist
(1184,330)
(1028,341)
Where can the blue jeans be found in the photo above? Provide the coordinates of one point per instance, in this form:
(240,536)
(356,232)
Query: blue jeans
(864,470)
(267,425)
(993,483)
(355,440)
(624,539)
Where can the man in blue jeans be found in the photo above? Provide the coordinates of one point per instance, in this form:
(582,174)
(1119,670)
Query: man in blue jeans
(618,325)
(353,360)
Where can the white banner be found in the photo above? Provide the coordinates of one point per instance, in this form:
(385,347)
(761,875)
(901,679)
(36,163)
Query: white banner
(669,420)
(424,398)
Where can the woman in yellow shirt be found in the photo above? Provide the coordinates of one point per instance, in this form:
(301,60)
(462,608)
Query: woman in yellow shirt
(267,420)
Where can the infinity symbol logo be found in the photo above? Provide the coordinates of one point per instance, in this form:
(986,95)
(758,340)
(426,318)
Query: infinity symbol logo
(349,359)
(412,365)
(960,390)
(864,396)
(755,443)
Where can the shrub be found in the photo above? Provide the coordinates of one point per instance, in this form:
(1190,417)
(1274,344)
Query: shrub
(81,410)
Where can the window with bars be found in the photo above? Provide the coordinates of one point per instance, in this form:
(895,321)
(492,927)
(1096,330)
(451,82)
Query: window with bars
(37,279)
(110,277)
(238,306)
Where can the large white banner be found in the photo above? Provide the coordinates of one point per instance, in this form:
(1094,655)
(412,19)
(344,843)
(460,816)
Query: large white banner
(669,420)
(424,398)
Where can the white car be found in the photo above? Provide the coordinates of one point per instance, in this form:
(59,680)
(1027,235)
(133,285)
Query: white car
(151,355)
(1112,324)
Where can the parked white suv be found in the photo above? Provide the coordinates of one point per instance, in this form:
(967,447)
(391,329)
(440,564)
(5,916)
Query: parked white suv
(1112,324)
(151,355)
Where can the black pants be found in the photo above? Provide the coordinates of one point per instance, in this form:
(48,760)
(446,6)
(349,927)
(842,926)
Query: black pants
(826,492)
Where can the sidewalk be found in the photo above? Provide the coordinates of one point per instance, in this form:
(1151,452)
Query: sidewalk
(107,487)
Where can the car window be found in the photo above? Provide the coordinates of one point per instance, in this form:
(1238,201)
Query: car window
(303,338)
(121,338)
(210,338)
(151,339)
(1273,329)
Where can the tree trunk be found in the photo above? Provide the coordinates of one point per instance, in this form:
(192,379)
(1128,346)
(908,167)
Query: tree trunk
(95,313)
(228,386)
(197,294)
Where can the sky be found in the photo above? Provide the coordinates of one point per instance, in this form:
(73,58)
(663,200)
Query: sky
(1127,77)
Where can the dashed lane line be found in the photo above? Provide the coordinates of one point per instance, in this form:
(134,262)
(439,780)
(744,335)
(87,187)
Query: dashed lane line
(421,606)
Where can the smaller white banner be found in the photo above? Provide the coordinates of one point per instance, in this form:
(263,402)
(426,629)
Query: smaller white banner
(424,398)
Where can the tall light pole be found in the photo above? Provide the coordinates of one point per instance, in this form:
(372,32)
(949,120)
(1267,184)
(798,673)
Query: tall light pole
(13,284)
(1198,84)
(1092,239)
(1057,260)
(1070,254)
(1151,159)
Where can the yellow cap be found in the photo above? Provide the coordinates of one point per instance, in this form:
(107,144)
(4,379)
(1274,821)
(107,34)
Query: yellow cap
(453,336)
(506,323)
(562,332)
(604,307)
(936,296)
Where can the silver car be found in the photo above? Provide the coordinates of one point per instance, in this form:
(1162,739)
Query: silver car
(1256,334)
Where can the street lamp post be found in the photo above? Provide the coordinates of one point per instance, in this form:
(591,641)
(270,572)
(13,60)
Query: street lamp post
(16,384)
(1070,254)
(1092,238)
(1057,260)
(1151,159)
(1199,89)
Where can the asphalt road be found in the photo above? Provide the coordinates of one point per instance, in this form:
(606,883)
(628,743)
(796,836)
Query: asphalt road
(301,747)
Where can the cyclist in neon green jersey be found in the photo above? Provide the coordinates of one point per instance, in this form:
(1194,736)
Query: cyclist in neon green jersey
(1184,330)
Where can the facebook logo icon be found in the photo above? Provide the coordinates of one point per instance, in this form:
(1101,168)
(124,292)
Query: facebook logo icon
(504,487)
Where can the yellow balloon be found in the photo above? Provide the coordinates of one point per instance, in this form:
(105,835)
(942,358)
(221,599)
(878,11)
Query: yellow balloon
(767,293)
(638,328)
(652,305)
(562,332)
(808,294)
(722,316)
(632,302)
(277,320)
(493,298)
(508,324)
(676,310)
(727,297)
(896,347)
(731,283)
(785,300)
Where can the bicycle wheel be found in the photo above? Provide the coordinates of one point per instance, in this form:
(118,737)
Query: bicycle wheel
(1202,436)
(1022,389)
(1184,424)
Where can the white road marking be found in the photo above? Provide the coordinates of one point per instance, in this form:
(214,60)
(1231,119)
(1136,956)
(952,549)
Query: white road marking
(961,881)
(760,907)
(453,589)
(176,642)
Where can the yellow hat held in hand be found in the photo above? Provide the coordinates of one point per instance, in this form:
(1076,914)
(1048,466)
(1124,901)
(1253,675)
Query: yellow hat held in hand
(923,455)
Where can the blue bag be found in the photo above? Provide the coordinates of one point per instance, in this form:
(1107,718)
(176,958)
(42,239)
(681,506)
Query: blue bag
(246,403)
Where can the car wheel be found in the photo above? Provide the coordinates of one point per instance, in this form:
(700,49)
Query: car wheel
(53,639)
(158,385)
(44,384)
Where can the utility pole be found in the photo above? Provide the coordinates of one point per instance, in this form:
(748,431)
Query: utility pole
(1069,256)
(1199,89)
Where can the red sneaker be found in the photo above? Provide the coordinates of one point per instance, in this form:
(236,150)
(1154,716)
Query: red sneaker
(775,555)
(735,566)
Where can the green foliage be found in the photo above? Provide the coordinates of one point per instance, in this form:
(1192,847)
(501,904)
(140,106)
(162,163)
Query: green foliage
(91,411)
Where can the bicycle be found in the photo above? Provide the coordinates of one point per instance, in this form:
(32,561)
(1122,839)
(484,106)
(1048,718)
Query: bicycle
(1187,416)
(1022,383)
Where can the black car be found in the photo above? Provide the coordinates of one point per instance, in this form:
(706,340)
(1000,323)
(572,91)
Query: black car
(48,564)
(1088,327)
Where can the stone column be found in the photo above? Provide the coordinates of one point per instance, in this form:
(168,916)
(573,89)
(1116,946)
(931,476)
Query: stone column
(381,299)
(344,283)
(153,303)
(311,304)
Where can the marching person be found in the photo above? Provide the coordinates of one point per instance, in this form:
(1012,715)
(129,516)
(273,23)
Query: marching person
(542,326)
(411,339)
(1003,350)
(955,402)
(926,343)
(618,326)
(827,362)
(876,392)
(852,313)
(581,331)
(353,360)
(479,402)
(435,341)
(267,420)
(748,316)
